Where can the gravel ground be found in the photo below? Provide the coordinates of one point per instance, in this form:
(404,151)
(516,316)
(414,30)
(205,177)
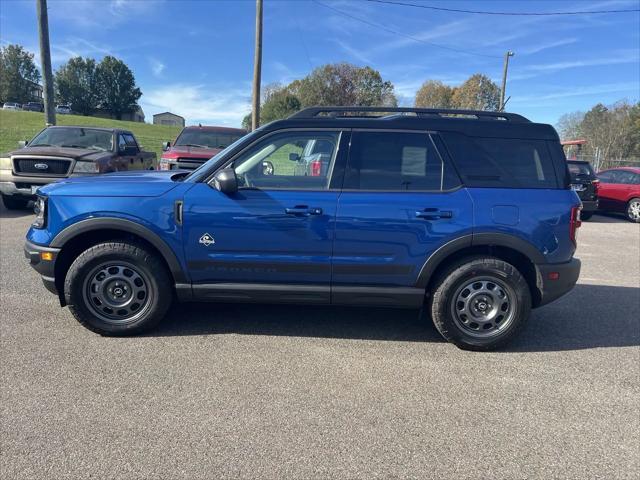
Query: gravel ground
(234,391)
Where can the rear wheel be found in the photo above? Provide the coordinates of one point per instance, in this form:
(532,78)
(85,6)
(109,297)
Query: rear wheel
(14,202)
(586,215)
(480,303)
(633,210)
(118,288)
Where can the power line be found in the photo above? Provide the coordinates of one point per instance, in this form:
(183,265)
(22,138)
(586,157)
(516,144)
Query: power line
(481,12)
(395,32)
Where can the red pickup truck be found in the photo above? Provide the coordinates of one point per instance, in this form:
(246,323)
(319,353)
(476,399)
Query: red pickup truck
(196,145)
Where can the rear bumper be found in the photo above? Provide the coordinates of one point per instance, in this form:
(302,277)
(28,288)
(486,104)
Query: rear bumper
(556,279)
(46,268)
(589,205)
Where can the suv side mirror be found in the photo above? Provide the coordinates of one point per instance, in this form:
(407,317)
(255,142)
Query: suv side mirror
(226,181)
(294,157)
(166,146)
(22,143)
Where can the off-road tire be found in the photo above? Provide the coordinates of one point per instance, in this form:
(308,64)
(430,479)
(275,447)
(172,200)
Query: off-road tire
(633,204)
(442,303)
(145,264)
(14,202)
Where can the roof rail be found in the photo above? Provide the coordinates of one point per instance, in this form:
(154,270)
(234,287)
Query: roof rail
(313,112)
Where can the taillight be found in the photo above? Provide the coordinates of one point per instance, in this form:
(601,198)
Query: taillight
(574,224)
(316,168)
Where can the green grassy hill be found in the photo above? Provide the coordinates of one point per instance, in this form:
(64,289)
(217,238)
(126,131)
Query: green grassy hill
(16,126)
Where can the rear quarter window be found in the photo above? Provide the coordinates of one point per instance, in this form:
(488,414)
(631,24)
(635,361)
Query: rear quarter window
(502,162)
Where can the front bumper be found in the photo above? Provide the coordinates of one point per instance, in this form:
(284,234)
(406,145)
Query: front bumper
(46,268)
(22,189)
(556,279)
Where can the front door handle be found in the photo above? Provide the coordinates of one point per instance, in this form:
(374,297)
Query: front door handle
(434,214)
(303,211)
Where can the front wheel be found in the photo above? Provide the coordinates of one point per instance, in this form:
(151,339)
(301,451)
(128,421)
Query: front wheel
(633,210)
(586,215)
(480,303)
(118,288)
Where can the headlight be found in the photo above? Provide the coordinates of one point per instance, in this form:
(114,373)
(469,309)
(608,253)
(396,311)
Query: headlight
(164,164)
(5,163)
(85,167)
(40,209)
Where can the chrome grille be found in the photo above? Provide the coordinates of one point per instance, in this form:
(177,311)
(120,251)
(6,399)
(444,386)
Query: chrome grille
(186,163)
(36,166)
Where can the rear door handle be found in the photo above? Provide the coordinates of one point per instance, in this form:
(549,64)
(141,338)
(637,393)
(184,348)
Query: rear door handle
(434,214)
(303,211)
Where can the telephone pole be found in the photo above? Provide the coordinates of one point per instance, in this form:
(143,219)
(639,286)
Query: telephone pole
(504,78)
(45,56)
(257,67)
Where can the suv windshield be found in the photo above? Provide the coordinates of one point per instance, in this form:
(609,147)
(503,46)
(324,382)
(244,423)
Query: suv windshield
(206,138)
(74,137)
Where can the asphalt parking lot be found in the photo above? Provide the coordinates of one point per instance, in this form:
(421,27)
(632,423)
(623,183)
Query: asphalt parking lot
(233,391)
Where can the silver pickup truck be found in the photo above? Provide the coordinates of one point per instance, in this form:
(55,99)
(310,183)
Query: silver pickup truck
(61,152)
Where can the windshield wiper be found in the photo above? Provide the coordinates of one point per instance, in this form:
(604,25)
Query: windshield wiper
(192,145)
(40,145)
(73,146)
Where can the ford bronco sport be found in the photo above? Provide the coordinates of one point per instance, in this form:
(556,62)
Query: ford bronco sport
(466,216)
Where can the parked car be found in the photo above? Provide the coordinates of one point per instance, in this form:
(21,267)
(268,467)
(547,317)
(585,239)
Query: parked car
(11,106)
(195,145)
(63,109)
(60,152)
(33,107)
(585,183)
(620,191)
(465,215)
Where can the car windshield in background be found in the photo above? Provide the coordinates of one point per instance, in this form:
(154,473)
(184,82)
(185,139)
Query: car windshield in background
(74,138)
(206,139)
(583,169)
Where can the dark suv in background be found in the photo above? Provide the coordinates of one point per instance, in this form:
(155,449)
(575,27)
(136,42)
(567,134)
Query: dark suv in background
(585,183)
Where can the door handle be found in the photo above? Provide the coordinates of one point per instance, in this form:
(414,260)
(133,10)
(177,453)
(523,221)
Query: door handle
(434,214)
(303,211)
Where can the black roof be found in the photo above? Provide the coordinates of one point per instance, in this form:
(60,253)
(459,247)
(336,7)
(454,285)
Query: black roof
(469,122)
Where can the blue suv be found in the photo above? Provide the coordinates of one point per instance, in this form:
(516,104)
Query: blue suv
(466,216)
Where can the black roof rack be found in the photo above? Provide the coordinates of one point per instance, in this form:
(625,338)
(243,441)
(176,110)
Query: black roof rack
(313,112)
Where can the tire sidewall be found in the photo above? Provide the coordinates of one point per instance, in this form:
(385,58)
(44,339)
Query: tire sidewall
(464,274)
(628,214)
(154,309)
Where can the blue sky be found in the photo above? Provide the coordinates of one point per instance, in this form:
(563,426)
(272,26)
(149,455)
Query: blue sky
(195,58)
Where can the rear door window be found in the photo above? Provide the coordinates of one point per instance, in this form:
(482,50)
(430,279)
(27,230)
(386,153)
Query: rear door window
(502,162)
(396,161)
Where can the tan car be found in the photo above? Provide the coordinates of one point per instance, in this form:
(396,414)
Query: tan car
(61,152)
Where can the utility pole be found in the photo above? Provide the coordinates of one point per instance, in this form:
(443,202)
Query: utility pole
(45,56)
(504,78)
(257,67)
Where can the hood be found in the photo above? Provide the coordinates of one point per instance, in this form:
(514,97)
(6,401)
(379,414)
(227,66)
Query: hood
(193,152)
(143,183)
(74,153)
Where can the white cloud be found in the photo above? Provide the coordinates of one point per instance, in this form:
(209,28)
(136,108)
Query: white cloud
(539,47)
(199,103)
(157,67)
(561,93)
(100,13)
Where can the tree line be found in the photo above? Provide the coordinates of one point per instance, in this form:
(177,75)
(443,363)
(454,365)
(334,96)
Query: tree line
(83,83)
(612,132)
(343,84)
